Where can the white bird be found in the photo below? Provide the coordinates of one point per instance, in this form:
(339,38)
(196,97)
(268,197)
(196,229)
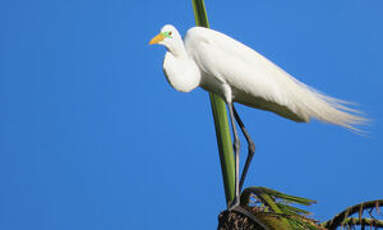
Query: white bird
(237,73)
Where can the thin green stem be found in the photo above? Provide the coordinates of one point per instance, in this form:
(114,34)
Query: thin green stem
(220,120)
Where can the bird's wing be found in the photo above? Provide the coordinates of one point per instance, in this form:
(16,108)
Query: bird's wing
(254,76)
(240,66)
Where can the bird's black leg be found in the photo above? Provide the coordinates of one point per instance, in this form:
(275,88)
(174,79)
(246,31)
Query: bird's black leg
(250,145)
(236,145)
(235,205)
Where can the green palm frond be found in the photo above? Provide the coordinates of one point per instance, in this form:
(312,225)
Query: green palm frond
(276,195)
(344,218)
(277,206)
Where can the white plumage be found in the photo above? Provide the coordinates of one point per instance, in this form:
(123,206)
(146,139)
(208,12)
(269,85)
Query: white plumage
(220,64)
(237,73)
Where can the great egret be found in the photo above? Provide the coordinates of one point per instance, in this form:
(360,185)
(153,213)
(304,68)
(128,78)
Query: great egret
(237,73)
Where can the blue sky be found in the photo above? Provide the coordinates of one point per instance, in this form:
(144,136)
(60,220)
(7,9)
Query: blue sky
(93,137)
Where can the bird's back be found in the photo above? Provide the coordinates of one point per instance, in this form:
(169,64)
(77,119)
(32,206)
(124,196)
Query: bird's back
(257,82)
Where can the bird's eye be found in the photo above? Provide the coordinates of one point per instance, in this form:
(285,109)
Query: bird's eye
(170,33)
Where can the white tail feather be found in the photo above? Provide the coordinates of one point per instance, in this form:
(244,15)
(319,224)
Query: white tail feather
(311,103)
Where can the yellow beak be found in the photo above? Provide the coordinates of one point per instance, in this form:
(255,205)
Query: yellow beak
(157,39)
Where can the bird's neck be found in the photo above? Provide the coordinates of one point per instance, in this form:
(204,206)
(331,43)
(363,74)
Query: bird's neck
(177,49)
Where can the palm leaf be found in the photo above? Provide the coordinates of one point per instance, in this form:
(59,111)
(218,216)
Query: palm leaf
(272,203)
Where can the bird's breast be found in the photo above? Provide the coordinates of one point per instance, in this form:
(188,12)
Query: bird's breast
(181,72)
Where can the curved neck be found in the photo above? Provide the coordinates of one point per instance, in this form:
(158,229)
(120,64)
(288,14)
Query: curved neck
(177,49)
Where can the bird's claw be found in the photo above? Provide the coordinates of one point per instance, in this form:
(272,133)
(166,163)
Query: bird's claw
(234,204)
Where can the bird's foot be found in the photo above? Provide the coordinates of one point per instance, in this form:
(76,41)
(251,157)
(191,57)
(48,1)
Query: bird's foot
(234,204)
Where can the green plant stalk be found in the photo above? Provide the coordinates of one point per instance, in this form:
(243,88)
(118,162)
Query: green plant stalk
(221,122)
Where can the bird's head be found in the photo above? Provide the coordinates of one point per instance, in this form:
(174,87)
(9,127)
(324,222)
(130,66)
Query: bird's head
(168,37)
